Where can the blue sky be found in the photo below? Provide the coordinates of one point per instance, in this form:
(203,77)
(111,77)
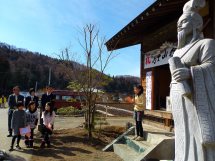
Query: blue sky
(48,26)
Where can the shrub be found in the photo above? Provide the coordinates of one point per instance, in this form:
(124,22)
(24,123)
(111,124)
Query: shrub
(70,111)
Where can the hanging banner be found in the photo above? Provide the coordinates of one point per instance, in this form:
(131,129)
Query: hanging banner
(157,57)
(149,90)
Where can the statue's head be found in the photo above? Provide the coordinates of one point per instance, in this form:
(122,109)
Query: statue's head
(189,25)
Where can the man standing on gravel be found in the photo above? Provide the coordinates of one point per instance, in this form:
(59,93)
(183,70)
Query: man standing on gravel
(13,99)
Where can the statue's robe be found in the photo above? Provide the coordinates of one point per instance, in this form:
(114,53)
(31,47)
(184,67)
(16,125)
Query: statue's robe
(194,115)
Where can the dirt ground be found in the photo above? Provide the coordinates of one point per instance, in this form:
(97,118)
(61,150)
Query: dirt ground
(73,145)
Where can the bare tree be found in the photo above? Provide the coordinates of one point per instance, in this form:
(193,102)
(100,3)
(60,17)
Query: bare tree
(90,77)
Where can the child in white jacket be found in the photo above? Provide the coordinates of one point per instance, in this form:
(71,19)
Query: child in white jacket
(48,121)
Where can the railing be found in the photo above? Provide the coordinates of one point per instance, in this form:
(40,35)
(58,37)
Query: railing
(158,118)
(119,109)
(161,119)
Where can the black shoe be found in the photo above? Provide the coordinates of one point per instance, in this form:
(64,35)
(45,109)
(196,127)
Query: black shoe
(31,144)
(18,147)
(11,148)
(26,142)
(48,145)
(42,145)
(10,135)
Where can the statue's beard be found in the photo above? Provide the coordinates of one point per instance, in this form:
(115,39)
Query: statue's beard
(181,39)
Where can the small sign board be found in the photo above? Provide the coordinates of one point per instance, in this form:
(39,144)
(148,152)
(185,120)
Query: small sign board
(158,57)
(149,90)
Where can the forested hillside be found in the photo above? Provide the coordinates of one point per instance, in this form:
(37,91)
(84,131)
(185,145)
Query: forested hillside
(122,84)
(25,68)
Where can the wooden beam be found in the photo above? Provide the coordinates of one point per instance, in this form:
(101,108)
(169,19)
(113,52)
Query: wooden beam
(161,11)
(153,90)
(211,25)
(142,62)
(143,73)
(213,16)
(173,3)
(159,113)
(158,125)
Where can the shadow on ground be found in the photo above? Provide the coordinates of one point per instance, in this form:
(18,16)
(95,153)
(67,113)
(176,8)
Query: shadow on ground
(58,148)
(71,143)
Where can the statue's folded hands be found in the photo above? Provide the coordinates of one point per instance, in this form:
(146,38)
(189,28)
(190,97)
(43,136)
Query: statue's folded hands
(181,74)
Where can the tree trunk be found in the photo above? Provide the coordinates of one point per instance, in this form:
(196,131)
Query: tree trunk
(93,115)
(89,129)
(86,119)
(89,120)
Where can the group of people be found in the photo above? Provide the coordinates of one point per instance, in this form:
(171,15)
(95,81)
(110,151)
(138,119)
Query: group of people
(23,113)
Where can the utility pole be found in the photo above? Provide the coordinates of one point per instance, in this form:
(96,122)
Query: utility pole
(49,76)
(36,87)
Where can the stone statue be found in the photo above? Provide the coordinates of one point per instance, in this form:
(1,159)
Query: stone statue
(192,91)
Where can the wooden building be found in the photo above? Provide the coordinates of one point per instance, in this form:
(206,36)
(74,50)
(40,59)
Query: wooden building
(155,29)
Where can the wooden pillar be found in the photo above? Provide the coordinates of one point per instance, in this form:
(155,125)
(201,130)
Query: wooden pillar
(212,15)
(143,73)
(141,62)
(213,18)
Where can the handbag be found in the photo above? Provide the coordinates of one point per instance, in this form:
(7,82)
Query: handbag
(40,128)
(25,131)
